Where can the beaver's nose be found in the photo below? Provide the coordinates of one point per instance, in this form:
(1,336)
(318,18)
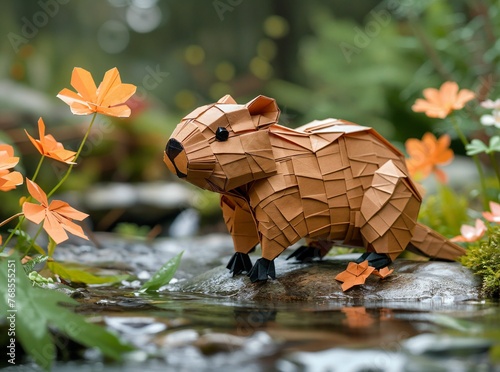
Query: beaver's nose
(172,150)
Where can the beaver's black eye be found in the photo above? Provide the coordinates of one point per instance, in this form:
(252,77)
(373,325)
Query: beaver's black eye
(221,134)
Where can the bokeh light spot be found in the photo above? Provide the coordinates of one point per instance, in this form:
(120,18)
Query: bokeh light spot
(185,99)
(113,36)
(261,68)
(266,49)
(276,26)
(224,71)
(194,55)
(142,19)
(218,90)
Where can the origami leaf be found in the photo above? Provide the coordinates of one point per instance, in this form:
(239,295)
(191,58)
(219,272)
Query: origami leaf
(79,274)
(163,275)
(475,147)
(37,309)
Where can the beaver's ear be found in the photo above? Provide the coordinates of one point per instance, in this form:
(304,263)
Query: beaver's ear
(227,99)
(264,111)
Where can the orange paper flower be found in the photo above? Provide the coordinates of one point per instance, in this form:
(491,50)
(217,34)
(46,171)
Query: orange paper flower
(427,154)
(8,179)
(48,146)
(471,233)
(383,272)
(355,274)
(439,103)
(108,99)
(57,216)
(494,215)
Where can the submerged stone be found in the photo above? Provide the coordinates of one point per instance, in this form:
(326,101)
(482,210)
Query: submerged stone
(433,281)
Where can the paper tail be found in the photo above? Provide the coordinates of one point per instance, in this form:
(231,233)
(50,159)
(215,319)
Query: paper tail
(429,243)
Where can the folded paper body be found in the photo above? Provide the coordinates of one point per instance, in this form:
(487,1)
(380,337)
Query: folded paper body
(328,181)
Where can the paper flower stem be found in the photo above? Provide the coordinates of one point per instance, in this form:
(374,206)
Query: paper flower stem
(34,240)
(38,168)
(494,165)
(66,175)
(475,158)
(13,231)
(11,218)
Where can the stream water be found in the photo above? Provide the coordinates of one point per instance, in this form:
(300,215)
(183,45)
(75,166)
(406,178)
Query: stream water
(177,330)
(185,332)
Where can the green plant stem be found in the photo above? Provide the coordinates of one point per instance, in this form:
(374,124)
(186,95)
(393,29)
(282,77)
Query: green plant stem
(37,170)
(66,175)
(494,164)
(11,235)
(475,158)
(34,239)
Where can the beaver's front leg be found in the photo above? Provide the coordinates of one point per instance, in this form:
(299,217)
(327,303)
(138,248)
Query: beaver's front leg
(241,226)
(264,267)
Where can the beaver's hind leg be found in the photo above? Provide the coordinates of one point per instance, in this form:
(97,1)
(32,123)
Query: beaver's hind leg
(388,215)
(314,249)
(241,226)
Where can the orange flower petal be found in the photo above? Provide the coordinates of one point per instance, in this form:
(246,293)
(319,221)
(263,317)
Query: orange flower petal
(463,97)
(84,84)
(36,192)
(12,179)
(122,111)
(118,95)
(77,104)
(383,272)
(65,210)
(34,212)
(54,228)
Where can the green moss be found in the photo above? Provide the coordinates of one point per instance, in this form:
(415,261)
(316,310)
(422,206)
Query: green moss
(483,258)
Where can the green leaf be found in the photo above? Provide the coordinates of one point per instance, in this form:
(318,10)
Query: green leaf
(80,274)
(163,275)
(28,266)
(495,144)
(25,243)
(476,147)
(35,309)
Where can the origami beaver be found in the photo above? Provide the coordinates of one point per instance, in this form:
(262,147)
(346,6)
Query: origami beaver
(329,181)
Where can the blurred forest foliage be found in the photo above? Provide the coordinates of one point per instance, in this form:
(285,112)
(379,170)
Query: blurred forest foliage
(363,61)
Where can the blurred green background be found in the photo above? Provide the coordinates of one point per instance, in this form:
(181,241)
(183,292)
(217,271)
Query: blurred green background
(363,61)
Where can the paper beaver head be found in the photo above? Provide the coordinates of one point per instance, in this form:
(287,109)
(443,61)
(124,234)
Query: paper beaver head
(224,145)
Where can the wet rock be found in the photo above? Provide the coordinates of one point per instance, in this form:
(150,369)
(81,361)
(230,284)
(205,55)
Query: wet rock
(430,282)
(201,253)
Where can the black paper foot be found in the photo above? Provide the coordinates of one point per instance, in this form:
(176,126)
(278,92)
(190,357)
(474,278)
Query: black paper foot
(238,263)
(305,254)
(375,260)
(261,270)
